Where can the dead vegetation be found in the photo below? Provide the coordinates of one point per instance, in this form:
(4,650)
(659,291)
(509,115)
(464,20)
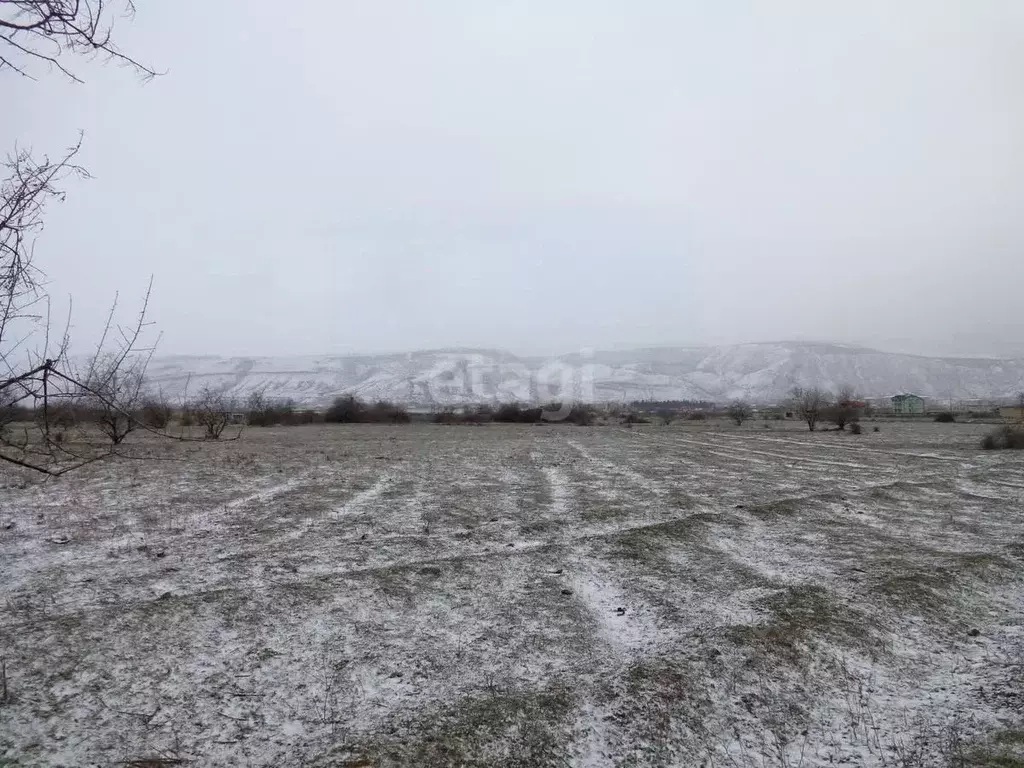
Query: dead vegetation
(1005,438)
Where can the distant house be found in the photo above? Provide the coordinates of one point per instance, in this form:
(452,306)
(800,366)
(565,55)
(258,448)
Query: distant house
(1014,412)
(907,404)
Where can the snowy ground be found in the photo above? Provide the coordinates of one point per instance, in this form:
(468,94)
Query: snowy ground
(429,595)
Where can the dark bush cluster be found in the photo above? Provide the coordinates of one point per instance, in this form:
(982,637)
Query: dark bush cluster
(10,413)
(284,417)
(156,414)
(476,414)
(447,416)
(270,414)
(1004,438)
(947,417)
(855,428)
(469,416)
(578,414)
(634,418)
(516,413)
(349,409)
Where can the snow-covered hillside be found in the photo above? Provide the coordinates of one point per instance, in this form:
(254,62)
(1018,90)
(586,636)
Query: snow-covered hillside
(760,372)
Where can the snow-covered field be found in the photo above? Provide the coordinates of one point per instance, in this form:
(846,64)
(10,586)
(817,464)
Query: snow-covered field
(520,596)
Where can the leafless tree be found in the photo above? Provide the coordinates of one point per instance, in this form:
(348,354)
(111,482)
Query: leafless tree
(212,410)
(107,388)
(46,32)
(846,408)
(810,404)
(739,411)
(113,395)
(35,371)
(256,405)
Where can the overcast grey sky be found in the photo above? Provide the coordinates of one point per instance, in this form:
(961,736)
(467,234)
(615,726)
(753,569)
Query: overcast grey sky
(325,177)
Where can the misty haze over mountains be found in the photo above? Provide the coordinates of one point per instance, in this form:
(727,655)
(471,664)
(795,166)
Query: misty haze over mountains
(763,372)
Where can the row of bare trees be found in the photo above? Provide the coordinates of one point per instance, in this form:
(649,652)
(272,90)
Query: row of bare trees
(812,405)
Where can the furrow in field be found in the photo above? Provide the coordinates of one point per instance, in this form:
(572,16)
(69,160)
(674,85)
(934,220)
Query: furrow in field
(747,437)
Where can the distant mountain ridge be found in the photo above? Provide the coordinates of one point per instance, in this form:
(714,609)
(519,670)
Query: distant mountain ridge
(762,372)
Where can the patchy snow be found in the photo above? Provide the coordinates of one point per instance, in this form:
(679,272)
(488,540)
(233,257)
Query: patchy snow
(428,595)
(363,499)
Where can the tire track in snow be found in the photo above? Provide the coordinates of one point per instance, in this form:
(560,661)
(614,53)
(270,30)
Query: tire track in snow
(625,634)
(211,519)
(592,722)
(363,498)
(610,468)
(772,454)
(621,627)
(266,494)
(349,508)
(839,446)
(561,492)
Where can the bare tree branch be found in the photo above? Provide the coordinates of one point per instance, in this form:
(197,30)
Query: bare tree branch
(49,31)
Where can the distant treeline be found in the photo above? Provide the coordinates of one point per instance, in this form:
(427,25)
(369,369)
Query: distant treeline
(517,413)
(678,405)
(347,409)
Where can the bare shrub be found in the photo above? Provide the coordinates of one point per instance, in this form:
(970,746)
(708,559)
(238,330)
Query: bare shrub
(256,406)
(947,417)
(580,415)
(349,409)
(212,411)
(385,412)
(846,409)
(112,392)
(810,404)
(855,428)
(739,411)
(261,411)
